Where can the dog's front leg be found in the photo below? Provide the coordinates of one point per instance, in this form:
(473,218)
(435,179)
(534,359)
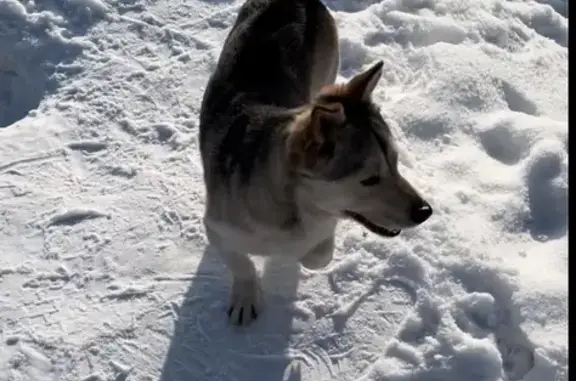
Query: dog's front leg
(245,293)
(320,256)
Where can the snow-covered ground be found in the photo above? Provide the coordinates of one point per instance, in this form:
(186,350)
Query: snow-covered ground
(103,270)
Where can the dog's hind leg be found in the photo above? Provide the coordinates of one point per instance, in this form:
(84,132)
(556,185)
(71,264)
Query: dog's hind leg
(320,256)
(245,292)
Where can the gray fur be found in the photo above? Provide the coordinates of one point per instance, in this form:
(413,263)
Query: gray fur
(267,102)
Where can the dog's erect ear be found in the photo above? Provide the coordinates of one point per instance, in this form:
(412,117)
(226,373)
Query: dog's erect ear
(312,134)
(362,85)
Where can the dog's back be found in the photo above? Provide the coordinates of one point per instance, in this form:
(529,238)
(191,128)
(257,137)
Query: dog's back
(270,55)
(278,54)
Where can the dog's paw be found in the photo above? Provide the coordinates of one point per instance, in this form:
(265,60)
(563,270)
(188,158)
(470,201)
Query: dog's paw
(320,256)
(245,302)
(315,261)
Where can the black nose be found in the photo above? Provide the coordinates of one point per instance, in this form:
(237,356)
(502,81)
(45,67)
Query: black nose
(421,212)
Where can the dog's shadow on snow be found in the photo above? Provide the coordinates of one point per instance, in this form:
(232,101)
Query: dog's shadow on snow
(205,347)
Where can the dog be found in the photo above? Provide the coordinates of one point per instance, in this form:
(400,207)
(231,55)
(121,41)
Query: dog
(287,152)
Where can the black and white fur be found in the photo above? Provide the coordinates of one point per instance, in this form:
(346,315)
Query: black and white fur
(287,153)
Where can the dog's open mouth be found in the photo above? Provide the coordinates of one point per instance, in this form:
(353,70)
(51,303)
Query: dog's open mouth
(380,230)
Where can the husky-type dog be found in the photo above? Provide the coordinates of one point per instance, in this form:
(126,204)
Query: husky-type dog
(287,152)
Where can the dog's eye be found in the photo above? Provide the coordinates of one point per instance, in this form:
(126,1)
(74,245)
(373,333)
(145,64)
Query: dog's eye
(370,181)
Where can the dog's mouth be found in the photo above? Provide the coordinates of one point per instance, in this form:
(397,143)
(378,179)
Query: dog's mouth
(374,228)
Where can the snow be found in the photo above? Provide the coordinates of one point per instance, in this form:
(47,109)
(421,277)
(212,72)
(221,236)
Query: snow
(104,272)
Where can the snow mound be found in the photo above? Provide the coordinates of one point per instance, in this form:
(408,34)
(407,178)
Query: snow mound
(38,44)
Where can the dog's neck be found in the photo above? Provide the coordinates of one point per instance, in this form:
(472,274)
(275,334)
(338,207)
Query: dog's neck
(299,180)
(281,186)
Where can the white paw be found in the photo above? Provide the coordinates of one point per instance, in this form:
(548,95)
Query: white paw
(245,302)
(316,261)
(320,256)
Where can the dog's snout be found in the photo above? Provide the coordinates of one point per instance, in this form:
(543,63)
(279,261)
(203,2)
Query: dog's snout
(420,212)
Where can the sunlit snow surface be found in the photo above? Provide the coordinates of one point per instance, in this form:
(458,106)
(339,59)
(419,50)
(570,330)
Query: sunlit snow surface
(103,270)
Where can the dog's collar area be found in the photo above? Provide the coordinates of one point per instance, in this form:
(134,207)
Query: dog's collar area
(377,229)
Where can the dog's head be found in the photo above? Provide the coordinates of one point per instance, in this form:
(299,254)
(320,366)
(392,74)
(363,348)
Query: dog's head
(345,155)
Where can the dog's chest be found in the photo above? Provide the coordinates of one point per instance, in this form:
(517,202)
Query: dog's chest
(265,240)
